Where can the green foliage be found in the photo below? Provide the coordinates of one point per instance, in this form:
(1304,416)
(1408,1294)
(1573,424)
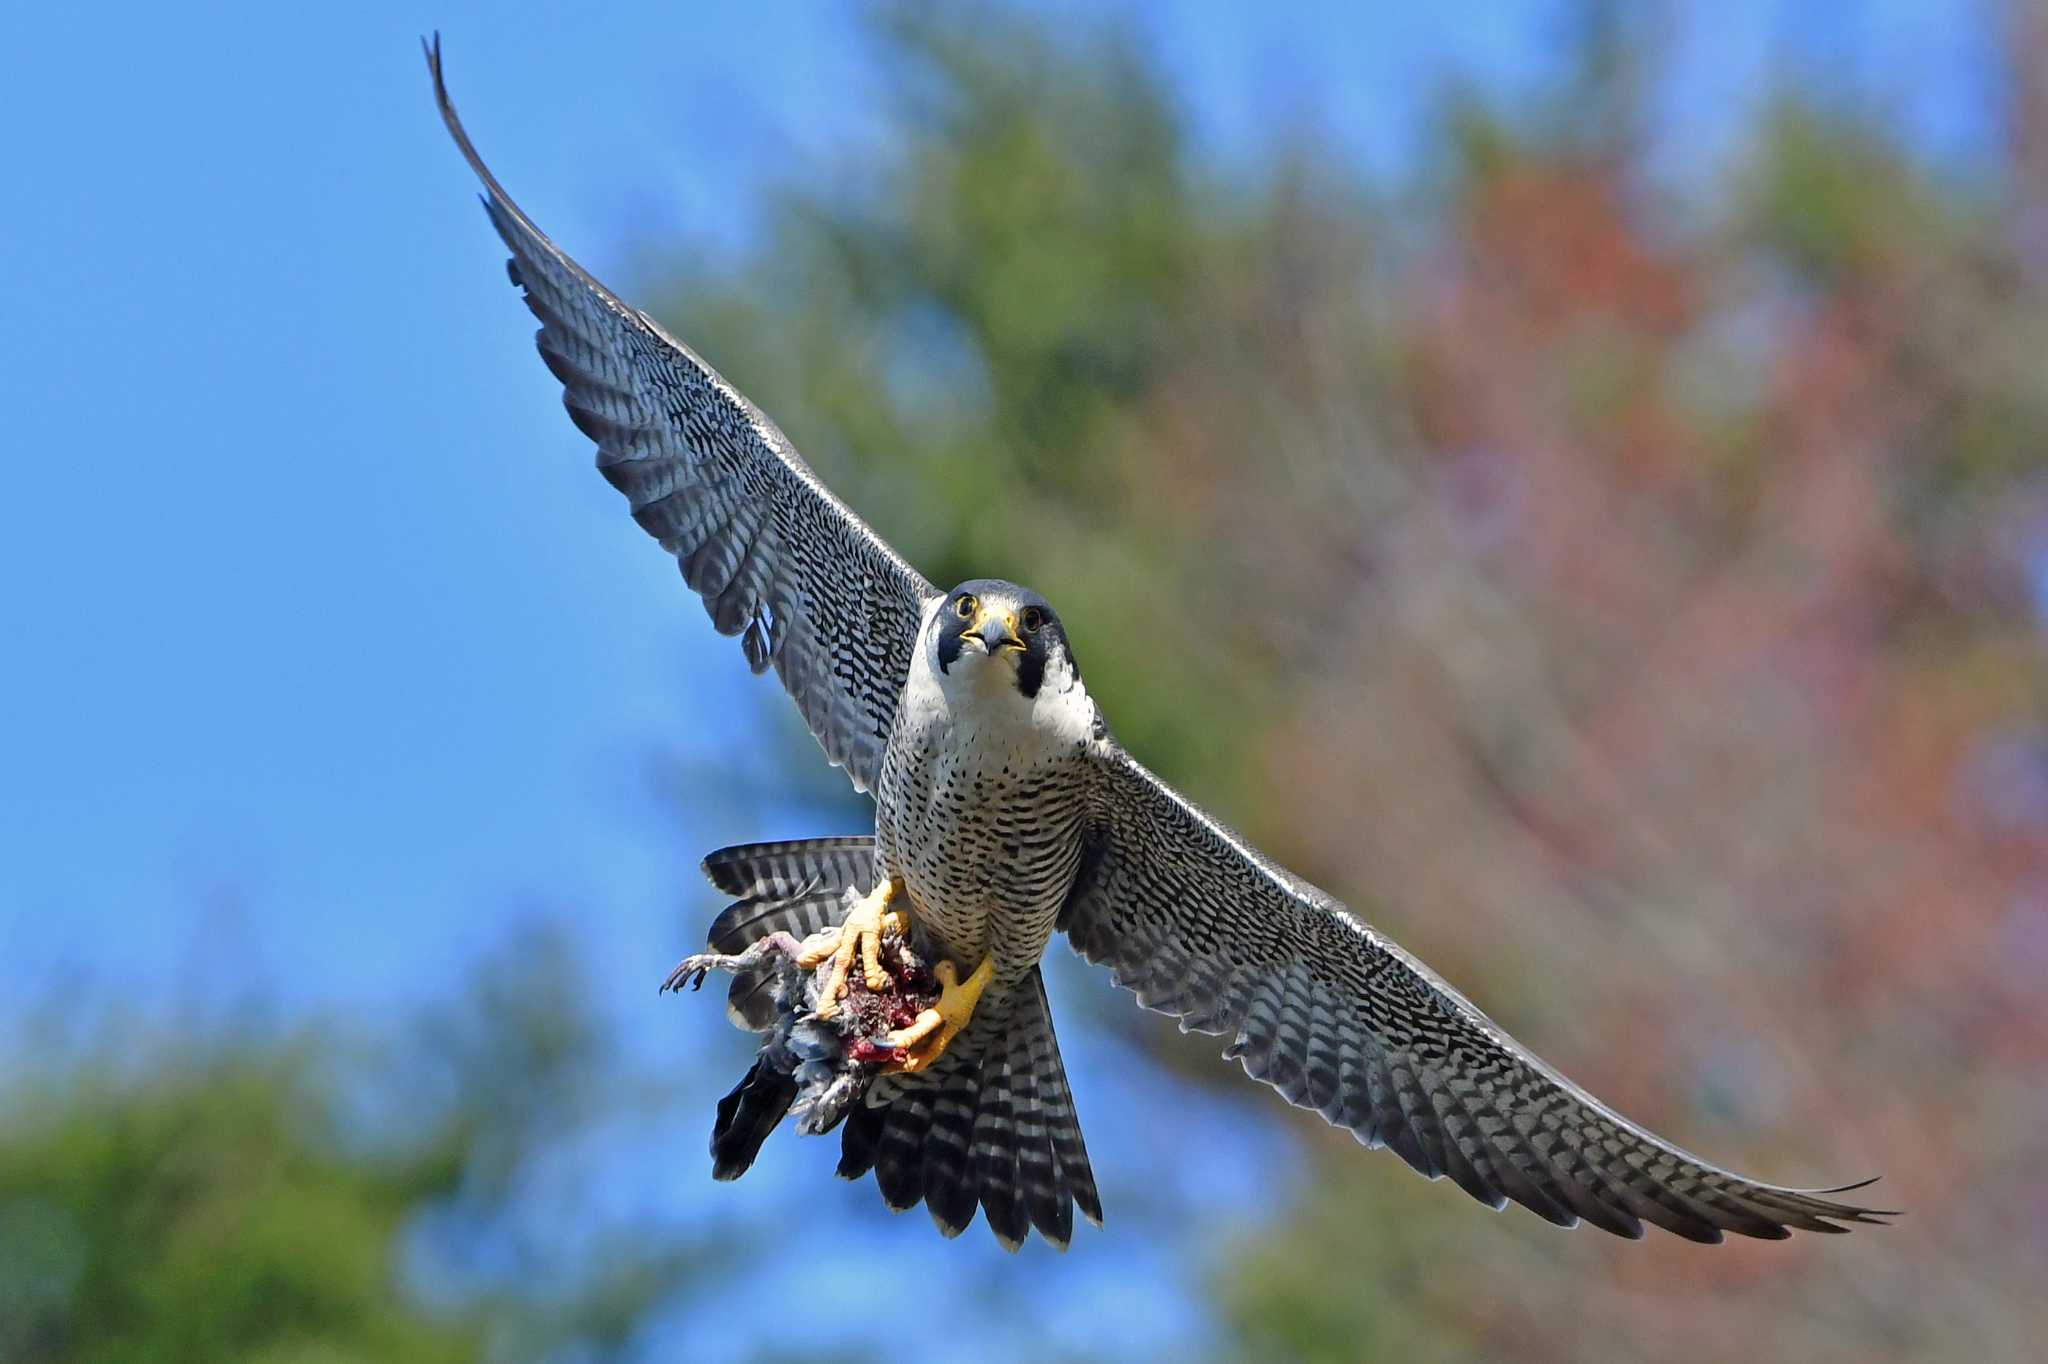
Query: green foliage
(204,1209)
(977,336)
(1592,588)
(239,1196)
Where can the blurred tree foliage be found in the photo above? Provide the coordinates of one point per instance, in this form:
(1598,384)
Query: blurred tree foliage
(1626,591)
(203,1215)
(237,1195)
(1628,594)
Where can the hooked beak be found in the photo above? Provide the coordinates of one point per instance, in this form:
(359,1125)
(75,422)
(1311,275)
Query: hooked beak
(995,633)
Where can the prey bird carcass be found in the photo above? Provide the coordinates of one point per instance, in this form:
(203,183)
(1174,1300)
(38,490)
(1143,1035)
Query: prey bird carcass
(830,1026)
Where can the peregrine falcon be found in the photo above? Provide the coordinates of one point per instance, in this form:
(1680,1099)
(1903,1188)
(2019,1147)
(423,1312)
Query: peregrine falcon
(1005,811)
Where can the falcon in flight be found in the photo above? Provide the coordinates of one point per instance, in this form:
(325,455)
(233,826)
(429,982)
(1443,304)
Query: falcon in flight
(1005,812)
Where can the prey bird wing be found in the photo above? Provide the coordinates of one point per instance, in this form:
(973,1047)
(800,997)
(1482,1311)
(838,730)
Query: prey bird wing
(779,560)
(1338,1019)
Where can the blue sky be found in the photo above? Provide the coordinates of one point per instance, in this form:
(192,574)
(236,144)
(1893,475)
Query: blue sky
(327,649)
(317,607)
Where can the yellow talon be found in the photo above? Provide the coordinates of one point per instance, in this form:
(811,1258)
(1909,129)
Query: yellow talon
(861,932)
(926,1039)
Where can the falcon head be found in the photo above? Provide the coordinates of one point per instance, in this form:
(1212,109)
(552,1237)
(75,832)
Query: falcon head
(990,631)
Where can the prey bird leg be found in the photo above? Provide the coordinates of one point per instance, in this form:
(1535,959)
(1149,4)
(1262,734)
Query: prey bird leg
(690,971)
(860,933)
(927,1038)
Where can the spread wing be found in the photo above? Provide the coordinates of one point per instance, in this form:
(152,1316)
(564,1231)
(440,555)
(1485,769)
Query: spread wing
(778,559)
(1319,1006)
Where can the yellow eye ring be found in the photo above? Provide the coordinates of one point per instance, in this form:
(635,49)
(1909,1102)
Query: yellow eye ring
(965,608)
(1034,620)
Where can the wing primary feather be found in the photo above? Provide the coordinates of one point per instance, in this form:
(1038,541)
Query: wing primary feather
(780,562)
(1340,1020)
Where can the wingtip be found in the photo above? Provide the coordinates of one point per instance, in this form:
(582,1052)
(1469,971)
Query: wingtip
(1863,1216)
(1826,1213)
(430,48)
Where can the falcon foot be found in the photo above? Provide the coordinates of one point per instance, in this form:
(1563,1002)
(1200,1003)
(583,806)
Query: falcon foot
(927,1038)
(815,1063)
(861,932)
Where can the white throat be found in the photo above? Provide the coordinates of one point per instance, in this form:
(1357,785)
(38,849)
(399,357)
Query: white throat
(978,698)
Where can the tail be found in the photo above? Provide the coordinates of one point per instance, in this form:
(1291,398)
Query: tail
(991,1123)
(795,887)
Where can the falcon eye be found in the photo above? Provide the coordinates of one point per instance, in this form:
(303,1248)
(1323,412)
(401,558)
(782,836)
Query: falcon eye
(1034,620)
(965,607)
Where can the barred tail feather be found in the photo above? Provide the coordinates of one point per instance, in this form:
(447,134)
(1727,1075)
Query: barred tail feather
(1062,1123)
(992,1125)
(771,870)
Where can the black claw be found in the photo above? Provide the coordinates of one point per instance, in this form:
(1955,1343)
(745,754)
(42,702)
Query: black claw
(682,975)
